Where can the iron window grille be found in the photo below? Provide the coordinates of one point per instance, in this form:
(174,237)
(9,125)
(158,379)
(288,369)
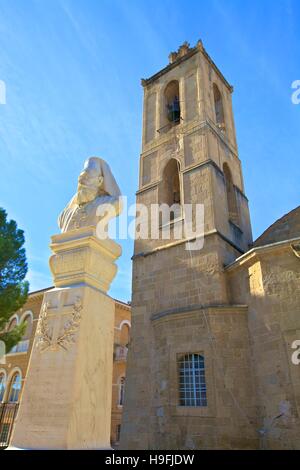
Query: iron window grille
(192,384)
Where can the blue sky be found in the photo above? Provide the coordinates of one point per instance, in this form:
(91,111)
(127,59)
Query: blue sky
(72,71)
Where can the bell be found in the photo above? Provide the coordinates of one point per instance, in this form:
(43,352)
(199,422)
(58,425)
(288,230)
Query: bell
(174,110)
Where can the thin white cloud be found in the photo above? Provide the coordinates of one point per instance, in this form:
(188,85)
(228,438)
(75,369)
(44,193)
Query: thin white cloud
(38,280)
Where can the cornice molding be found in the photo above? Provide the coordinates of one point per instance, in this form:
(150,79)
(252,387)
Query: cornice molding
(193,310)
(254,253)
(144,254)
(187,128)
(191,52)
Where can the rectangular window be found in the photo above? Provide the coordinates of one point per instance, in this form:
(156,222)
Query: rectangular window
(4,433)
(192,385)
(118,432)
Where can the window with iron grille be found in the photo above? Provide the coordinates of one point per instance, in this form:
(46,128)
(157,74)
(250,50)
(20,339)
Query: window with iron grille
(122,391)
(15,388)
(4,433)
(2,386)
(118,432)
(192,385)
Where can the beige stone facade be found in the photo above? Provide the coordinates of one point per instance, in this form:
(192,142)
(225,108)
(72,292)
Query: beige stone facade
(209,361)
(18,359)
(213,329)
(267,279)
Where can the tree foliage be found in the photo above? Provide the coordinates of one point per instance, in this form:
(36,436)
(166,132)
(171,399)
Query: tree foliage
(13,269)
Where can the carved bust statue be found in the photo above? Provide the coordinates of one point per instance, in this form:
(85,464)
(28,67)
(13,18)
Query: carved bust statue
(96,187)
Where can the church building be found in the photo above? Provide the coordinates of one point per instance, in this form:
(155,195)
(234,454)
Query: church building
(210,362)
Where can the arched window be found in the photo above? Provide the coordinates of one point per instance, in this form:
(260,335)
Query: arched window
(170,193)
(172,102)
(12,324)
(2,385)
(122,391)
(219,111)
(192,385)
(23,345)
(124,335)
(15,388)
(28,331)
(231,196)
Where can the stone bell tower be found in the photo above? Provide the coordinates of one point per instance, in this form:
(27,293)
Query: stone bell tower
(188,381)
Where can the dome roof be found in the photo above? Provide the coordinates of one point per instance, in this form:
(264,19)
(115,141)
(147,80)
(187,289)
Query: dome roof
(285,228)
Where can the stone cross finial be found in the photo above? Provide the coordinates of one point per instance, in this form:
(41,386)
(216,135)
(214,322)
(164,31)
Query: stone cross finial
(182,50)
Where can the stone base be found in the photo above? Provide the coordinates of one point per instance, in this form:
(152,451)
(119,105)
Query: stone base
(66,402)
(80,257)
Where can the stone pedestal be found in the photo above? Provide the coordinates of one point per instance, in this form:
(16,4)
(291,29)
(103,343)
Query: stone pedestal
(66,402)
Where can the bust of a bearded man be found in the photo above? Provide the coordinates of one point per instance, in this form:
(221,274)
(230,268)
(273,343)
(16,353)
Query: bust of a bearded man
(96,187)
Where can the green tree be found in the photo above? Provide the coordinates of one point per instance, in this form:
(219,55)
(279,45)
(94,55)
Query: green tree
(13,288)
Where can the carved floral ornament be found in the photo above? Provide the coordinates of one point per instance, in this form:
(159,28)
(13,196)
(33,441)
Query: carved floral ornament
(48,339)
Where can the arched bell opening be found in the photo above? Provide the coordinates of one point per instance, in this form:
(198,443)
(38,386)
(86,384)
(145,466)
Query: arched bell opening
(231,196)
(172,102)
(219,110)
(170,191)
